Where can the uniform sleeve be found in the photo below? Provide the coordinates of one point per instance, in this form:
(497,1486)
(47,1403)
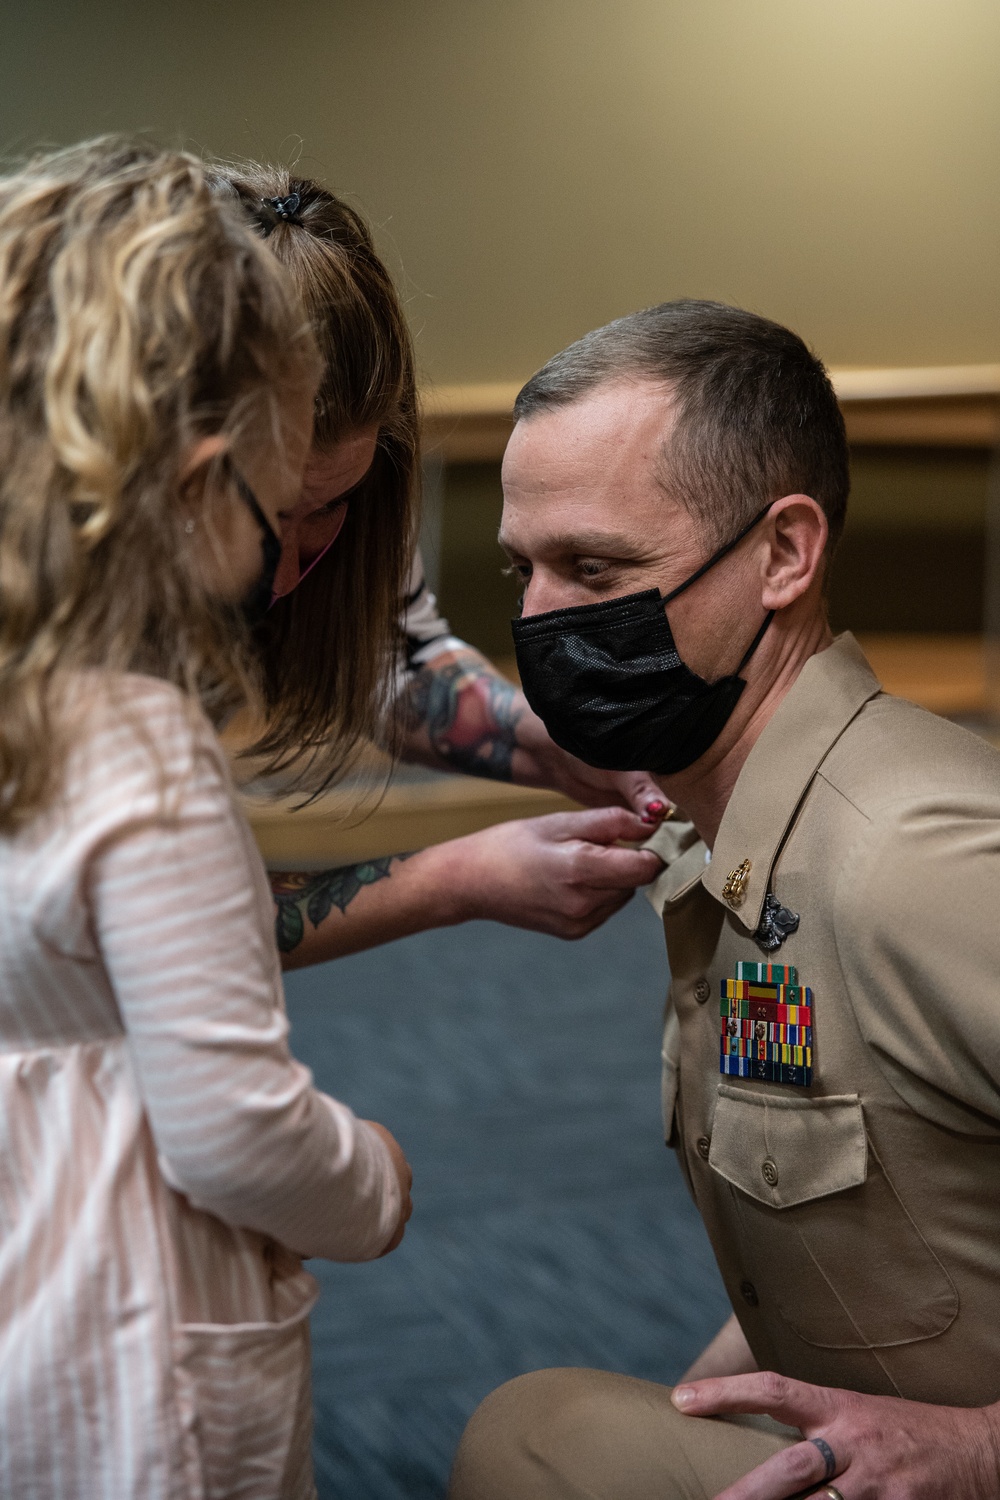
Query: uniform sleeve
(181,916)
(919,945)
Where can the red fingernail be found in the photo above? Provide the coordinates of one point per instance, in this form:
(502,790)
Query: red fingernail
(654,811)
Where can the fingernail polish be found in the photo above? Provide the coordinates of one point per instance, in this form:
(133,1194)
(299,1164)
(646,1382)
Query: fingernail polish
(683,1397)
(656,809)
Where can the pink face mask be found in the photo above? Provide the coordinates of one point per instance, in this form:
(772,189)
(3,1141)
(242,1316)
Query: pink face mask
(341,518)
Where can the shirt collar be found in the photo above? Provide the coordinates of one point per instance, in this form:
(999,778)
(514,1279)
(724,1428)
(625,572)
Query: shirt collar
(832,688)
(683,855)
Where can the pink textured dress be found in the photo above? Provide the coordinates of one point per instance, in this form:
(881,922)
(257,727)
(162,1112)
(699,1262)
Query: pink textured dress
(164,1161)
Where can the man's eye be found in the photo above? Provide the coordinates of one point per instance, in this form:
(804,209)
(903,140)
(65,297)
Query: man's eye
(592,567)
(517,570)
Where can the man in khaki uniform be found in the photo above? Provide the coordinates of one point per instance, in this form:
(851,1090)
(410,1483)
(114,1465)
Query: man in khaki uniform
(837,1118)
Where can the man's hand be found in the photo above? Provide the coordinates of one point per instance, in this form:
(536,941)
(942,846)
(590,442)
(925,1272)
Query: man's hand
(404,1173)
(883,1448)
(560,874)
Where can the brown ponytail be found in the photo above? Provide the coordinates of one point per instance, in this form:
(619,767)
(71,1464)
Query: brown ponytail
(328,648)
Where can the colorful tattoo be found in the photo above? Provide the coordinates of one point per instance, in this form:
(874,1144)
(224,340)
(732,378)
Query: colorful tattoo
(298,896)
(468,714)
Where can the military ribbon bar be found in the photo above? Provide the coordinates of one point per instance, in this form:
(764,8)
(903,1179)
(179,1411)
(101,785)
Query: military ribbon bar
(764,973)
(766,1025)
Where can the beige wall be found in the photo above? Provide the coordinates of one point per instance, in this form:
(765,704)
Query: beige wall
(536,167)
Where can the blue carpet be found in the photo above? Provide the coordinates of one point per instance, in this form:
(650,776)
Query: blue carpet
(551,1226)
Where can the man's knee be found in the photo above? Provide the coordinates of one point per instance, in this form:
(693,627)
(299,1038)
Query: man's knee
(568,1433)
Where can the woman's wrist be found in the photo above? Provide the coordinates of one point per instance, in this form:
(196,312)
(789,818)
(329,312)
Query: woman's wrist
(536,760)
(450,885)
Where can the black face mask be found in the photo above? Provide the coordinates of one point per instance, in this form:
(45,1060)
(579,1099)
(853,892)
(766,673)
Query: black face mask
(610,687)
(257,600)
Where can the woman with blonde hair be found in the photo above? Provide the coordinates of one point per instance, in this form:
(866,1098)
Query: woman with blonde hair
(165,1163)
(560,874)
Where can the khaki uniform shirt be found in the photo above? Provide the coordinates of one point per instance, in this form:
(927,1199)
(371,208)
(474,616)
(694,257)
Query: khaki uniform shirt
(856,1222)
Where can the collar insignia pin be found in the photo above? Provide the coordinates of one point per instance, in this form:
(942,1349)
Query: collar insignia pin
(735,887)
(776,923)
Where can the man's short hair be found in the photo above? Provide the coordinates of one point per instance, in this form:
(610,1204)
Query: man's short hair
(757,417)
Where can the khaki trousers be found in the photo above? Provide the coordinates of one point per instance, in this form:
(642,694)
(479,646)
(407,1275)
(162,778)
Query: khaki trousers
(590,1435)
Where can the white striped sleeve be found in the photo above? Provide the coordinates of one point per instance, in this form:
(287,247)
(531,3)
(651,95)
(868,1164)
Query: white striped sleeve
(425,631)
(189,949)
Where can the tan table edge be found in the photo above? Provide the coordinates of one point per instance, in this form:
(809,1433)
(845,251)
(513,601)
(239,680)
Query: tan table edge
(337,830)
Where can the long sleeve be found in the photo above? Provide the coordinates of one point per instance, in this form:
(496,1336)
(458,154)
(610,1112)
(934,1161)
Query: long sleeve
(424,630)
(182,917)
(916,931)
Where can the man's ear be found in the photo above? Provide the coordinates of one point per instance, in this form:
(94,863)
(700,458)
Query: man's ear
(797,536)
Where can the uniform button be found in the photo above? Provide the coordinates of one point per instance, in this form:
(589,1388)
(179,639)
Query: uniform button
(770,1172)
(702,991)
(749,1293)
(703,1146)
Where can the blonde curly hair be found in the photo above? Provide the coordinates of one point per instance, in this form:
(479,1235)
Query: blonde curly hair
(138,313)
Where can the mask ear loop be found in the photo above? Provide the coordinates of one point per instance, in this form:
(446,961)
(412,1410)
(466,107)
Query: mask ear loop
(250,500)
(343,501)
(755,642)
(317,559)
(718,556)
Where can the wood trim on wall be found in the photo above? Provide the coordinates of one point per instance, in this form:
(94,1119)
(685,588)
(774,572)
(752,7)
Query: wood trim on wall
(468,424)
(946,405)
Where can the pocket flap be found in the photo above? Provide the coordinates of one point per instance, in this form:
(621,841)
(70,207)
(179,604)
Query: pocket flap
(784,1151)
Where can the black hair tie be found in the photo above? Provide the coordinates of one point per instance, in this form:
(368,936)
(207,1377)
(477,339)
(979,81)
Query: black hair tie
(284,210)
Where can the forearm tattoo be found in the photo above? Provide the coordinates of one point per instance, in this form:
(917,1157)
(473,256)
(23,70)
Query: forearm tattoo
(468,713)
(298,896)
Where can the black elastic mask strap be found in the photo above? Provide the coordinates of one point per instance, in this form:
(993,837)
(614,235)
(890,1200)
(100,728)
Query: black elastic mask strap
(755,642)
(717,557)
(250,500)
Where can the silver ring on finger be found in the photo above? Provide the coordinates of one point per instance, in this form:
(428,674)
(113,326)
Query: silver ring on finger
(828,1492)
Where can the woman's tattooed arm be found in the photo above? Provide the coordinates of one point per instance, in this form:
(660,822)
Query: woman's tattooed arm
(301,897)
(461,713)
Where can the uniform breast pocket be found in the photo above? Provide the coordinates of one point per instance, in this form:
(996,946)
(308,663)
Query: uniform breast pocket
(832,1245)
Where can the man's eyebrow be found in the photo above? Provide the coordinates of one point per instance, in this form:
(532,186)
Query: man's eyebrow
(583,544)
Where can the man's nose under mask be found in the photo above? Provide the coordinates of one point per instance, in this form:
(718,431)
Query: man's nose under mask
(609,685)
